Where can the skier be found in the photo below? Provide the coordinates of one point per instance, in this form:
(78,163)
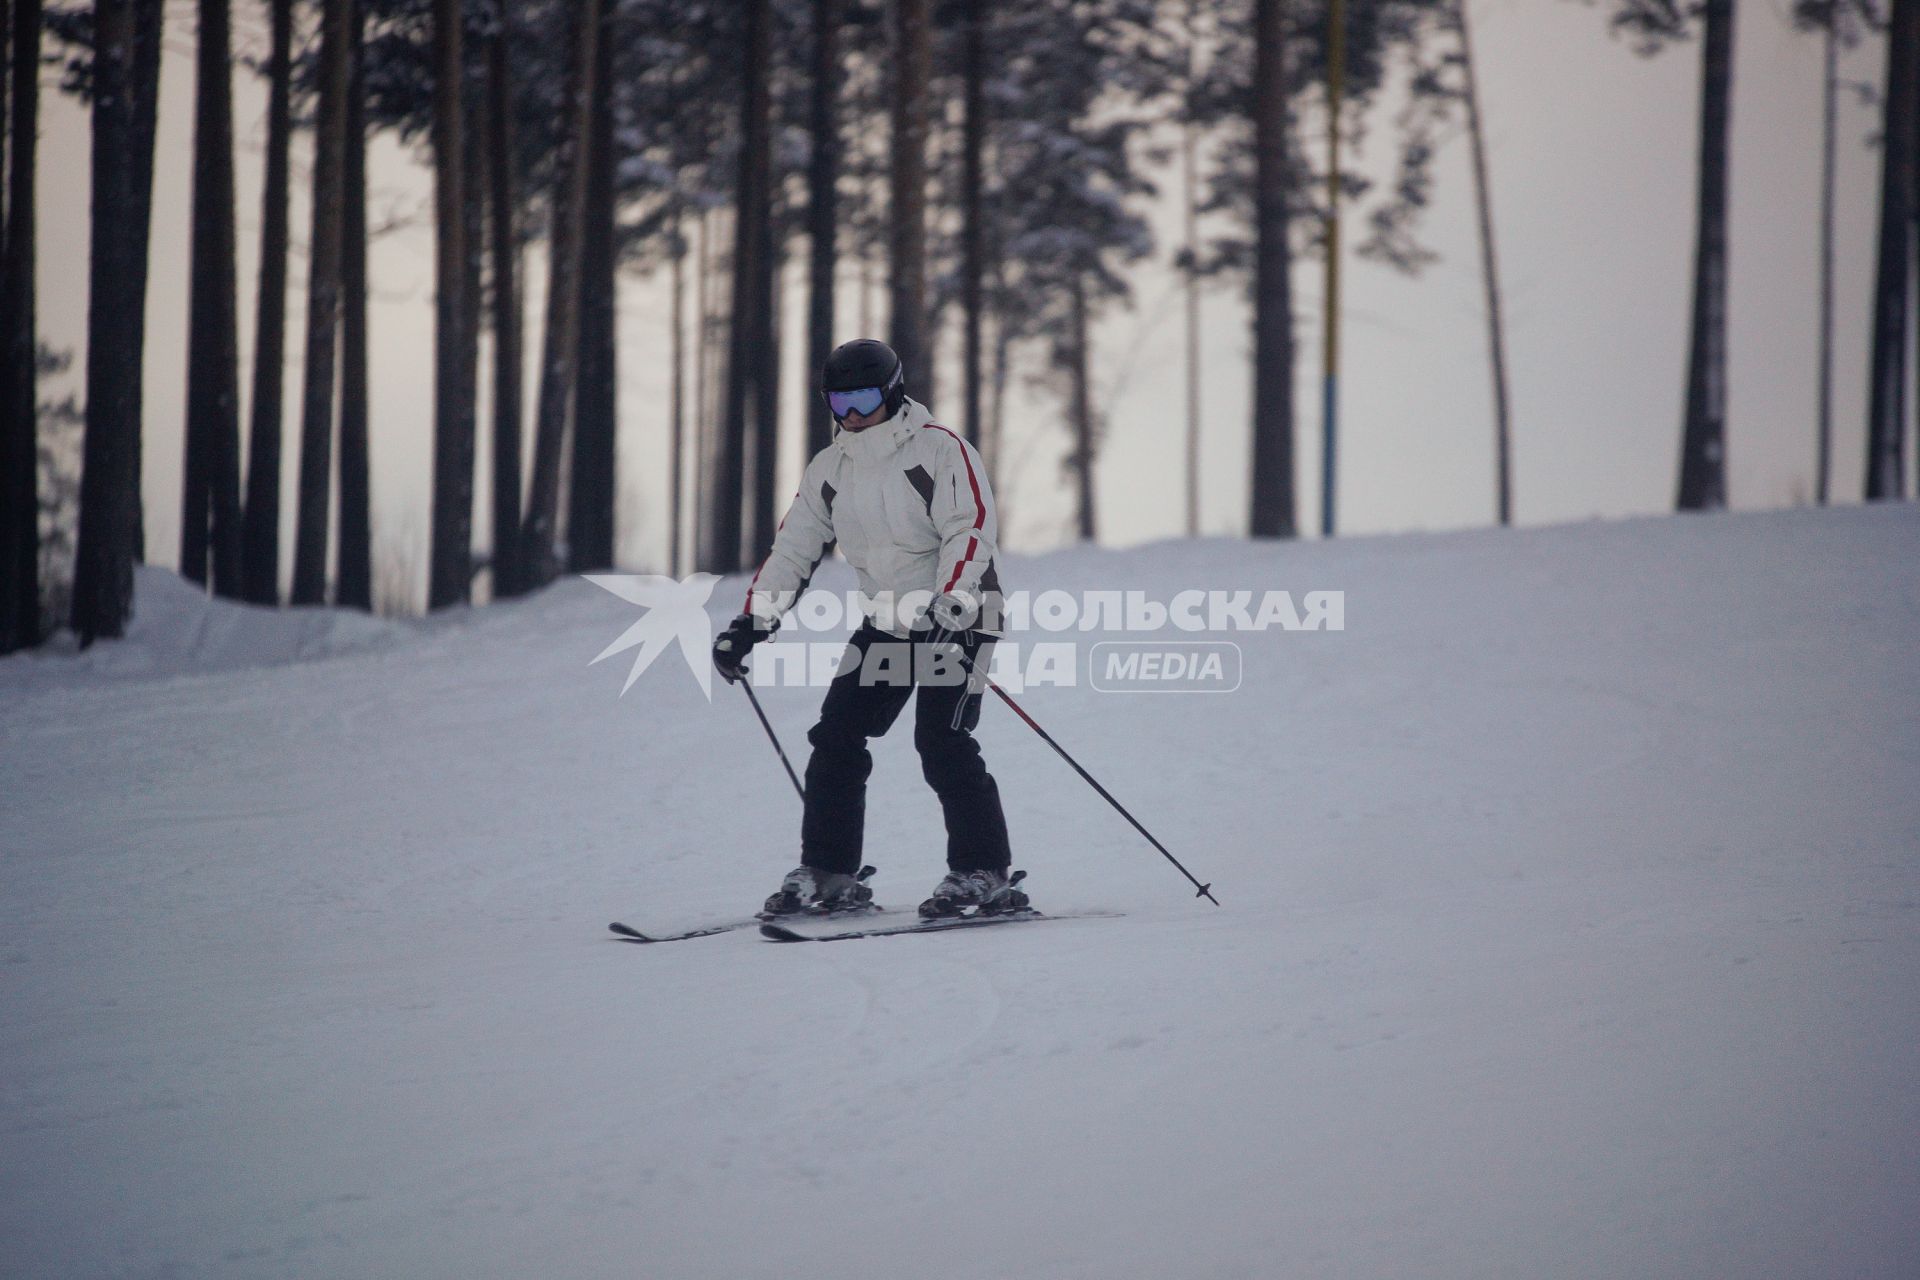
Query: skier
(908,502)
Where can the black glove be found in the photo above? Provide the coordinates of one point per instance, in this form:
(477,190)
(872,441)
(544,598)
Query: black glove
(731,648)
(953,612)
(952,617)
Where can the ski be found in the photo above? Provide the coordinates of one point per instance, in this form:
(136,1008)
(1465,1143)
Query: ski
(781,933)
(627,933)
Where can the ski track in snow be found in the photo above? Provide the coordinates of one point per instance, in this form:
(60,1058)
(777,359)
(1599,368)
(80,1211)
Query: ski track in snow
(1571,922)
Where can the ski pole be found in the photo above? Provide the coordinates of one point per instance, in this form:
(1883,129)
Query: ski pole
(1206,890)
(773,738)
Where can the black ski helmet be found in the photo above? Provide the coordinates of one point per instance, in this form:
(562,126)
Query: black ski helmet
(865,362)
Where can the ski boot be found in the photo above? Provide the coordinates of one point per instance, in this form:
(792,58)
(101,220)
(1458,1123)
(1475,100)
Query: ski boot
(806,891)
(989,893)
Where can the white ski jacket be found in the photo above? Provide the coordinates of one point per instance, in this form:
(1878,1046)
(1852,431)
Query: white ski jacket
(909,504)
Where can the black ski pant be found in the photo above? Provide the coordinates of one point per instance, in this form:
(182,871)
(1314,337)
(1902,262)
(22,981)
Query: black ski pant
(876,678)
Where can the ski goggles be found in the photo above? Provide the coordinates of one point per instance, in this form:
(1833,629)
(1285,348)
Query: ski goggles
(862,401)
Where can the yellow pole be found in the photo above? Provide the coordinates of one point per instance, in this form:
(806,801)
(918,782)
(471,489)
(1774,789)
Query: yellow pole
(1330,385)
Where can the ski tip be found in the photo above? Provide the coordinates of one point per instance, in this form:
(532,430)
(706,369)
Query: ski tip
(628,932)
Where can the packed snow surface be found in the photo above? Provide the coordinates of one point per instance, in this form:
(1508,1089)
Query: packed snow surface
(1570,928)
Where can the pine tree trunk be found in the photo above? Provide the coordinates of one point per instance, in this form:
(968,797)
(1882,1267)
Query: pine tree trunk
(700,495)
(765,385)
(211,501)
(1190,219)
(1703,464)
(973,143)
(1083,433)
(323,308)
(926,388)
(202,335)
(506,313)
(474,184)
(1893,277)
(19,461)
(1830,93)
(560,342)
(1272,514)
(1330,280)
(995,453)
(677,426)
(590,499)
(229,531)
(992,428)
(725,552)
(262,554)
(103,560)
(353,584)
(864,291)
(1188,149)
(1496,340)
(912,69)
(449,581)
(823,174)
(6,120)
(149,30)
(703,325)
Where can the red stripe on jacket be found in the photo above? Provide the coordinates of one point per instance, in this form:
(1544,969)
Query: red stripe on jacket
(979,509)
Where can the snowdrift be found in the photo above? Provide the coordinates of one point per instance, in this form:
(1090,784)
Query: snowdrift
(178,629)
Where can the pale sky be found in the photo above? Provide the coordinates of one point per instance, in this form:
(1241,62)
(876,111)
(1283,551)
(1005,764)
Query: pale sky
(1592,152)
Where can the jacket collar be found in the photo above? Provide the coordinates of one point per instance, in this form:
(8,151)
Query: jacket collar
(881,440)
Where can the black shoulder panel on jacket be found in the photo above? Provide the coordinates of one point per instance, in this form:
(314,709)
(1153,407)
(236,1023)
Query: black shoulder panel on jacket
(923,484)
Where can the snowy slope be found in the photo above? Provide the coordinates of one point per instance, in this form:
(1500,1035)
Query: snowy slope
(1571,923)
